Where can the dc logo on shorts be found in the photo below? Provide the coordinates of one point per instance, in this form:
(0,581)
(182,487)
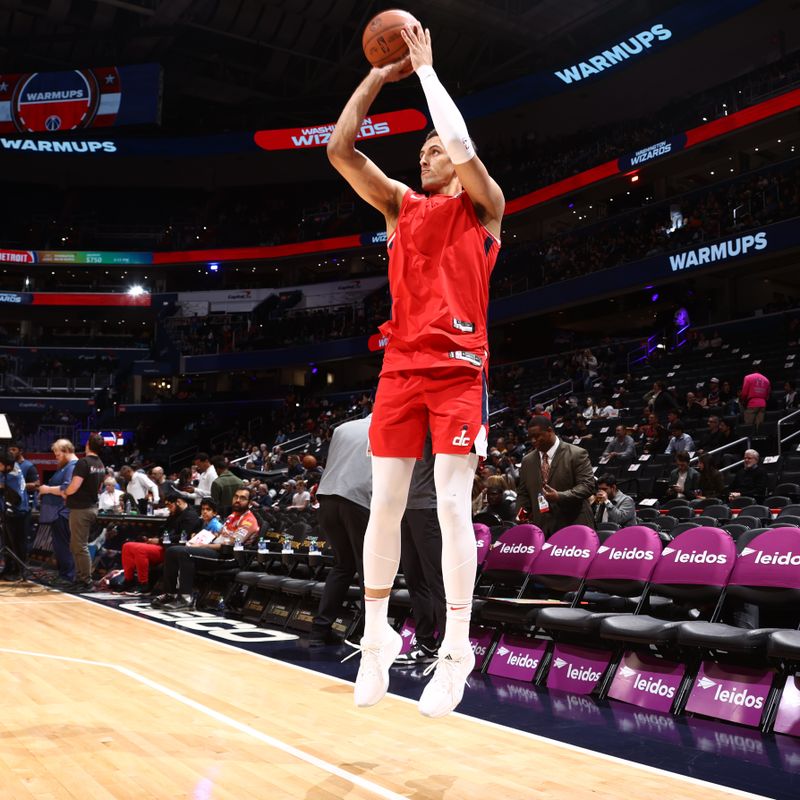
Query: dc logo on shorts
(462,440)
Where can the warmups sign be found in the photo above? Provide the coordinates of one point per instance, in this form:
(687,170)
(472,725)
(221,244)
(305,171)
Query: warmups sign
(38,102)
(378,125)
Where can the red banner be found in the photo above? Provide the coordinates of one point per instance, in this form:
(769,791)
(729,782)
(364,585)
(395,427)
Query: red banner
(390,124)
(93,299)
(17,256)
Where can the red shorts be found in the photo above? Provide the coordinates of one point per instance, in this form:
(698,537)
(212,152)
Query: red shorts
(450,402)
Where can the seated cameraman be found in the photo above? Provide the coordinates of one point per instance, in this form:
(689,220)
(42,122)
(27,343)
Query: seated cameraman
(180,562)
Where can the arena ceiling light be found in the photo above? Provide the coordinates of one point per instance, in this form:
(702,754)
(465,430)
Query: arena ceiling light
(137,291)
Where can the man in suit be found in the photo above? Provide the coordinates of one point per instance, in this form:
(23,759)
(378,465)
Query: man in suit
(555,481)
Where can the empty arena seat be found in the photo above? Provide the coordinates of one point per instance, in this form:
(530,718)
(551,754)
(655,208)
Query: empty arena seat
(719,512)
(764,575)
(611,575)
(509,565)
(560,568)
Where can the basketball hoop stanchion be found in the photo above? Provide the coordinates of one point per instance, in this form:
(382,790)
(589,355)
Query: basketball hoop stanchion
(6,495)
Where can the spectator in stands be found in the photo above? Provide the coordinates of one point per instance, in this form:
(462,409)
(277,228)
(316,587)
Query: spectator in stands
(495,500)
(283,499)
(53,510)
(137,557)
(753,398)
(694,410)
(208,515)
(714,437)
(653,435)
(109,500)
(295,466)
(750,480)
(81,498)
(140,487)
(590,410)
(711,484)
(713,399)
(726,398)
(207,475)
(180,562)
(555,481)
(611,504)
(17,510)
(680,442)
(621,449)
(684,479)
(159,479)
(224,486)
(301,498)
(662,401)
(790,399)
(607,411)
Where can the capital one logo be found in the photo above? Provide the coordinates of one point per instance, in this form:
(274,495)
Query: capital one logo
(741,698)
(518,659)
(577,673)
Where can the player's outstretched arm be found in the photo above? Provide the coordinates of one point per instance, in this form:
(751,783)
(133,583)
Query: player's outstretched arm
(366,178)
(486,195)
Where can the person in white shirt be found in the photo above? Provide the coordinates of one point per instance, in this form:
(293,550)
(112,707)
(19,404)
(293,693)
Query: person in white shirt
(138,485)
(110,498)
(301,498)
(208,474)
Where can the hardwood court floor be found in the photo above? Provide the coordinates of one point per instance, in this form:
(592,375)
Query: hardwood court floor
(100,704)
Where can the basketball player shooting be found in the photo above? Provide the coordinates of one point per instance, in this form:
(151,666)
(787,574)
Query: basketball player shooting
(443,244)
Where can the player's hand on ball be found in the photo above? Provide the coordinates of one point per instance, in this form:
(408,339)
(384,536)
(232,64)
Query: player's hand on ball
(396,71)
(419,46)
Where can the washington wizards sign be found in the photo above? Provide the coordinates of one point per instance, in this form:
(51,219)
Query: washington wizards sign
(83,98)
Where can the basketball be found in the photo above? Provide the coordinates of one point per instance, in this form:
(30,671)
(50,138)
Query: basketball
(309,462)
(382,41)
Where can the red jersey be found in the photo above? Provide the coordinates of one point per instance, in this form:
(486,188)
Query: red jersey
(440,261)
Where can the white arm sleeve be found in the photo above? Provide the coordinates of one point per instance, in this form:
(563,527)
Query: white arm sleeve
(446,117)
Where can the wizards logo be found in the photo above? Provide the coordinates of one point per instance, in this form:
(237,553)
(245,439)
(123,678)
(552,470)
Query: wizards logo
(59,101)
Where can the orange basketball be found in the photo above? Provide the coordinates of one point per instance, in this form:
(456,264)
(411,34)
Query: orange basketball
(309,462)
(382,41)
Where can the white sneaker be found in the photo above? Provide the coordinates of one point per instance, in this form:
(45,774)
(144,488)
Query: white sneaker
(446,688)
(372,681)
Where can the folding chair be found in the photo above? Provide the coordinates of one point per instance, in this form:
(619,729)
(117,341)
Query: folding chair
(609,574)
(679,577)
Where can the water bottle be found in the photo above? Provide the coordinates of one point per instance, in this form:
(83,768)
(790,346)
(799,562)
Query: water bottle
(238,542)
(286,547)
(165,539)
(128,506)
(184,537)
(149,508)
(262,546)
(313,550)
